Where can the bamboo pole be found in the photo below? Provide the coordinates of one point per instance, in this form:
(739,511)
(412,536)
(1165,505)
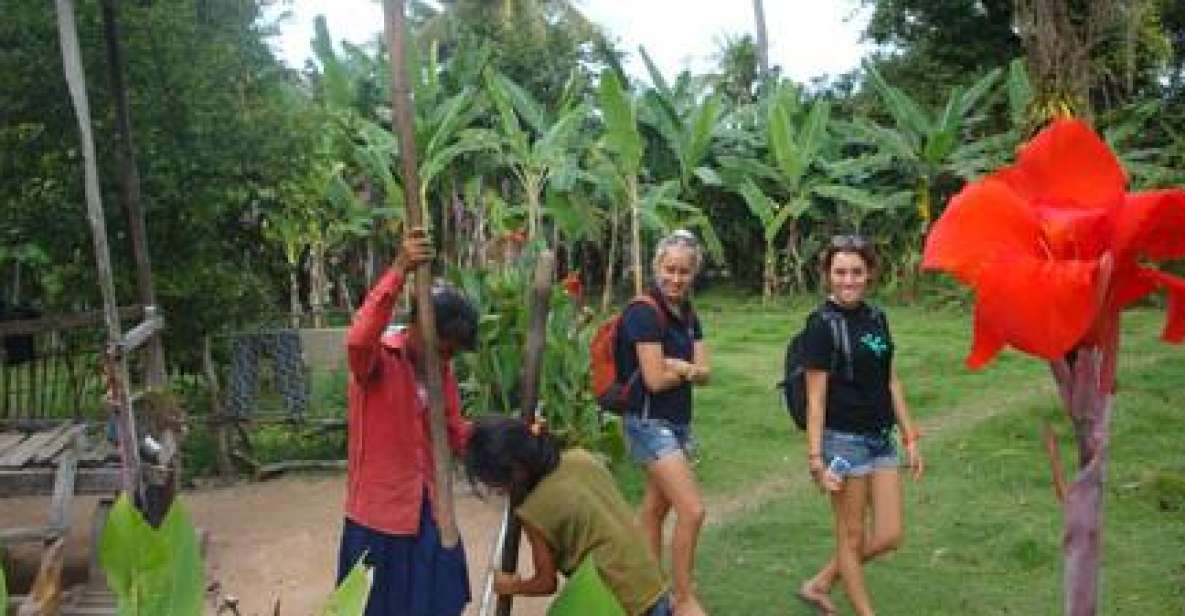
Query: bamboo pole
(115,363)
(529,388)
(393,18)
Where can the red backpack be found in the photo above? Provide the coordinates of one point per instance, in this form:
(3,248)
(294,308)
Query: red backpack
(612,394)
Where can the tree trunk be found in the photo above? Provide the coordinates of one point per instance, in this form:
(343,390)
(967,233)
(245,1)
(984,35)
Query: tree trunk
(426,319)
(762,38)
(768,283)
(115,363)
(129,188)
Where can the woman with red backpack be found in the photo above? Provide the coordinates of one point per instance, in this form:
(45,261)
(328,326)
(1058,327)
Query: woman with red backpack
(854,400)
(660,352)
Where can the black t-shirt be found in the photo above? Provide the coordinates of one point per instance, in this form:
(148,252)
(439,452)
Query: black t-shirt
(862,404)
(640,323)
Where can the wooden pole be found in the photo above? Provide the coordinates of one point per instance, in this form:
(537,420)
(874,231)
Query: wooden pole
(393,13)
(115,362)
(129,187)
(529,388)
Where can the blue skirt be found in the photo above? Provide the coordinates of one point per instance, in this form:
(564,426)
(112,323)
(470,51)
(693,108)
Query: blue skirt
(413,575)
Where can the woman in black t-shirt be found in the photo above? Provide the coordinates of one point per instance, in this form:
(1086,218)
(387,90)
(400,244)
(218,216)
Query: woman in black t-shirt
(854,399)
(660,343)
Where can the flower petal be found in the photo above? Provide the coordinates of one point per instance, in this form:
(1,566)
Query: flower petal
(1151,224)
(983,222)
(1067,165)
(1174,327)
(1132,283)
(986,342)
(1040,307)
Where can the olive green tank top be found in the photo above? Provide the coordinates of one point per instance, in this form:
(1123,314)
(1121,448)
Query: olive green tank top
(580,512)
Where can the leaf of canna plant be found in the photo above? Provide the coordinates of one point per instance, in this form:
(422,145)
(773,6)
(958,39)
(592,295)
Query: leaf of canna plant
(153,572)
(349,599)
(585,593)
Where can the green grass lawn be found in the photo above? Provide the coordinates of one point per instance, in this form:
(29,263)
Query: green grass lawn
(983,531)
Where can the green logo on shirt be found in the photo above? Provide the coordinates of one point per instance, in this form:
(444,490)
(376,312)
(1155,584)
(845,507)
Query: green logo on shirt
(874,343)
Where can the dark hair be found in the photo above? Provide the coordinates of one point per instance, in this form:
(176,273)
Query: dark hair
(456,318)
(500,446)
(849,244)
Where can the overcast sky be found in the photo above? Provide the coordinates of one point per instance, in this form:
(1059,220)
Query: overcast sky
(808,38)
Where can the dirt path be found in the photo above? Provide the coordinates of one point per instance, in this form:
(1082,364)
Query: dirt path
(267,541)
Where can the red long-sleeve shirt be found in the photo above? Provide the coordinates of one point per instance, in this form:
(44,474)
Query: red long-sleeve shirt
(390,447)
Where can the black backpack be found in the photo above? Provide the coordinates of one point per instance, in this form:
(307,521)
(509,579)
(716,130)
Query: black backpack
(793,383)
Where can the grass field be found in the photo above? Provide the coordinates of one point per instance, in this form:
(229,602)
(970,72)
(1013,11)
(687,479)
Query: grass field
(983,531)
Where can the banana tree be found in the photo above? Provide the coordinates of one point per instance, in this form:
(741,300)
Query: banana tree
(795,170)
(541,148)
(922,142)
(623,141)
(687,127)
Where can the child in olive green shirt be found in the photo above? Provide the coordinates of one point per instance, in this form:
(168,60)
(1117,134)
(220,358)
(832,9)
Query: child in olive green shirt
(570,510)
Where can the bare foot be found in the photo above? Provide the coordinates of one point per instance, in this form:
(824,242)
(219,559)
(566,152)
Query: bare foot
(816,598)
(689,606)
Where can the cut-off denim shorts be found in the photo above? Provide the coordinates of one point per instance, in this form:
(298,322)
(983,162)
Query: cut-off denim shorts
(866,452)
(650,439)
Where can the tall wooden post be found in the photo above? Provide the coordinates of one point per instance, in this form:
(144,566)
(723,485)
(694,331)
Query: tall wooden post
(529,388)
(393,13)
(129,187)
(116,362)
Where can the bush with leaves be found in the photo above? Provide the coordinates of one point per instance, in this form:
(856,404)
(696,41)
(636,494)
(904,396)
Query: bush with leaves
(489,377)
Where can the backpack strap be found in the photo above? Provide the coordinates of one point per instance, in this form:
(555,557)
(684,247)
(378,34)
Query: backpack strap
(841,342)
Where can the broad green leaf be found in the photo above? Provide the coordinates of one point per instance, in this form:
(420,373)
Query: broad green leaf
(738,168)
(656,77)
(770,232)
(759,204)
(449,118)
(621,126)
(977,91)
(905,111)
(585,594)
(814,134)
(939,145)
(701,127)
(708,176)
(783,142)
(153,572)
(850,195)
(473,140)
(349,598)
(529,109)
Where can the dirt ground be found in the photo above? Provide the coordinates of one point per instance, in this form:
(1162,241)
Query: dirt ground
(266,541)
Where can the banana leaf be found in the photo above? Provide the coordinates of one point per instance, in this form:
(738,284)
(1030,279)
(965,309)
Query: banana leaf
(584,594)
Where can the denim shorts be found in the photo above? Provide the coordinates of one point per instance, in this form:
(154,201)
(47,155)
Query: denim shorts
(662,607)
(651,438)
(866,452)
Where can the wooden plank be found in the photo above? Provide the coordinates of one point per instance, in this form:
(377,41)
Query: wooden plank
(64,441)
(30,534)
(39,481)
(65,321)
(9,440)
(63,488)
(17,457)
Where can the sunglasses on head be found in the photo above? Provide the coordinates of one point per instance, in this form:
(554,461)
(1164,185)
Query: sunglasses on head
(683,236)
(848,241)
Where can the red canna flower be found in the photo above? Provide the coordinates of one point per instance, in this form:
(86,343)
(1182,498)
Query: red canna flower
(1055,247)
(573,285)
